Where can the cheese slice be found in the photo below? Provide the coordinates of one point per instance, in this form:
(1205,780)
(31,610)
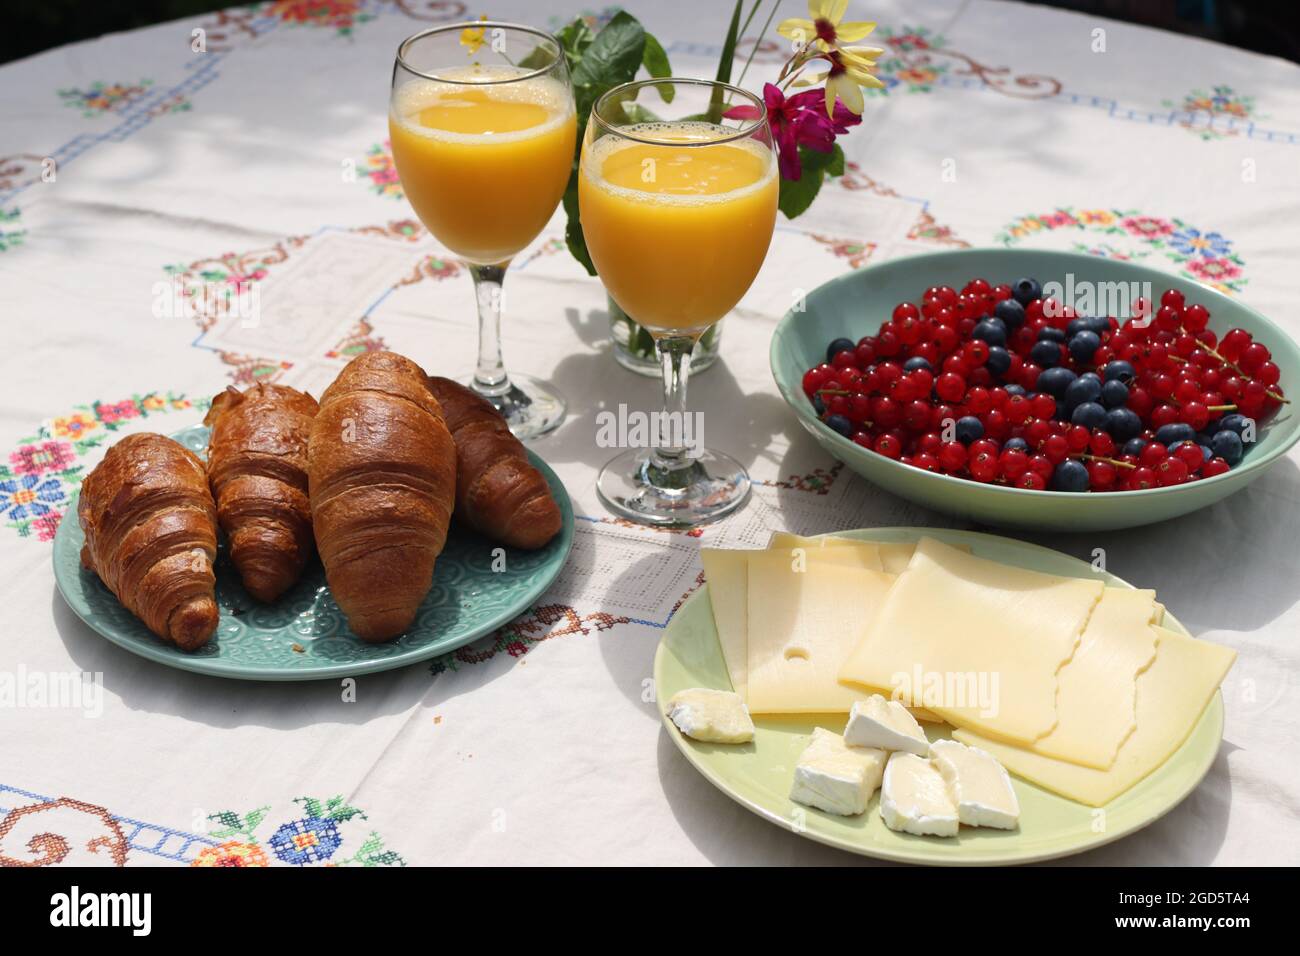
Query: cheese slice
(894,555)
(726,573)
(914,797)
(1096,690)
(802,626)
(834,777)
(978,785)
(1171,696)
(876,722)
(975,641)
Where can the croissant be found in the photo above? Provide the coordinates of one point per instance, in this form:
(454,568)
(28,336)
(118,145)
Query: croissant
(257,467)
(382,479)
(498,492)
(151,536)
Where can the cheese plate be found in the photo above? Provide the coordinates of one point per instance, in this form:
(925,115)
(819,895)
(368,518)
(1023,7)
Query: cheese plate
(758,774)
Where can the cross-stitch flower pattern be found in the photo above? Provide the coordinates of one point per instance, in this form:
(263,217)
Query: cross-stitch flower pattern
(317,838)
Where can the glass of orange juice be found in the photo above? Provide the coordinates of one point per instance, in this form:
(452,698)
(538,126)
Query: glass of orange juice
(678,204)
(482,124)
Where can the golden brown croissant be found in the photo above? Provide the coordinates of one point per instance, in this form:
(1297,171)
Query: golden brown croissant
(498,491)
(382,470)
(257,467)
(151,535)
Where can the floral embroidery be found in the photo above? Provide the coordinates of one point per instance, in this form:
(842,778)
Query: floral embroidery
(380,171)
(917,60)
(43,470)
(1204,108)
(103,98)
(857,252)
(231,853)
(524,633)
(315,838)
(10,238)
(341,15)
(1204,255)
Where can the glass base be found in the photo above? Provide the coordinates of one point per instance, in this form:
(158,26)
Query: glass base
(712,486)
(530,407)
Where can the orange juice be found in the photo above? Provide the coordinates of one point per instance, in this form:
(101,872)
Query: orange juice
(483,163)
(677,232)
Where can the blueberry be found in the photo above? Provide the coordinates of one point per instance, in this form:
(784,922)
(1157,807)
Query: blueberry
(1114,393)
(838,346)
(1171,434)
(841,424)
(1070,475)
(1075,326)
(1227,445)
(1085,388)
(1208,431)
(1054,381)
(999,360)
(1233,423)
(918,361)
(1011,312)
(1045,354)
(1050,333)
(1123,424)
(1133,446)
(1088,414)
(1206,453)
(1026,290)
(969,429)
(1083,345)
(1118,371)
(1098,323)
(1015,444)
(819,406)
(1014,389)
(991,331)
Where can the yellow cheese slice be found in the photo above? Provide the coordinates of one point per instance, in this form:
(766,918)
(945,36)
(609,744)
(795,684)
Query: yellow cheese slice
(1095,691)
(894,555)
(977,642)
(726,573)
(802,626)
(1171,695)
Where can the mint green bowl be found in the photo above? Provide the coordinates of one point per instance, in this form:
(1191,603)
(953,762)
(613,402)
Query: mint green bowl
(854,305)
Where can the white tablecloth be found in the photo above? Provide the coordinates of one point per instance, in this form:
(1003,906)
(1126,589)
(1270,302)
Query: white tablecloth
(265,158)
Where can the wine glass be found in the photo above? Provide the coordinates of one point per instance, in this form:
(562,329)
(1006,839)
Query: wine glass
(678,203)
(483,127)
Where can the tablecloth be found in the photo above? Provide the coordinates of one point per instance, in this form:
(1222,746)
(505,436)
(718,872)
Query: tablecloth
(256,150)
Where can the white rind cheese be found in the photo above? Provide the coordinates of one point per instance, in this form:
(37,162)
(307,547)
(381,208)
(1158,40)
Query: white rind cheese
(915,799)
(978,785)
(834,777)
(713,716)
(887,724)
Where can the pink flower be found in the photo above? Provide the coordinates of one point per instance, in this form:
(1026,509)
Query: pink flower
(1147,227)
(113,413)
(37,459)
(1214,268)
(799,120)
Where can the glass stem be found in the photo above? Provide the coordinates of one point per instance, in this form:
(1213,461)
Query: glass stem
(490,376)
(671,456)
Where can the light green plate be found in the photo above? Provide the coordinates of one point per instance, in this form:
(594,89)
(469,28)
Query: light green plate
(855,304)
(758,775)
(304,635)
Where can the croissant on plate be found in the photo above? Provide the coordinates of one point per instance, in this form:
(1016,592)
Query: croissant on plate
(498,491)
(382,480)
(151,535)
(257,467)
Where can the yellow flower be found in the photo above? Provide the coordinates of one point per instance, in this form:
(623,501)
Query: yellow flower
(471,38)
(851,69)
(825,28)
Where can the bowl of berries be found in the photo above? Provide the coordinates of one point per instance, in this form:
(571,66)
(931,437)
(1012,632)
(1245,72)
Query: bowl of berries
(1039,389)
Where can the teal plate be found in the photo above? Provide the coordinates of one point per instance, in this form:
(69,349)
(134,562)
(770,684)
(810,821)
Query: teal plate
(757,775)
(304,635)
(854,305)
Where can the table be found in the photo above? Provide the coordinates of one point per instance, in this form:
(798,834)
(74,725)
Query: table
(264,158)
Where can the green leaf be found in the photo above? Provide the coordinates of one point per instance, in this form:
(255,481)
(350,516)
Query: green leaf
(655,61)
(725,62)
(614,55)
(573,236)
(798,194)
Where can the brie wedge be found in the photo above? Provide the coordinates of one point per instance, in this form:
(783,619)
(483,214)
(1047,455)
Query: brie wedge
(713,716)
(887,724)
(915,799)
(978,784)
(834,777)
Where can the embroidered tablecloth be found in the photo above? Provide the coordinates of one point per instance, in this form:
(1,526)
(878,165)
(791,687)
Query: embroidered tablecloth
(140,168)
